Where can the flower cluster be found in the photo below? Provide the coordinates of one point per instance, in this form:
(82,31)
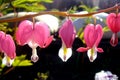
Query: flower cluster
(37,34)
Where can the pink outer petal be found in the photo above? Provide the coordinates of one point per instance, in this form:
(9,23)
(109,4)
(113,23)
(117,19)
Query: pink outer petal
(90,35)
(24,32)
(8,46)
(99,32)
(113,22)
(41,34)
(47,43)
(82,49)
(2,36)
(67,33)
(100,50)
(93,35)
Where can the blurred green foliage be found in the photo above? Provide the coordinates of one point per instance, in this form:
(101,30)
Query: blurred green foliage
(23,5)
(7,6)
(42,76)
(22,61)
(88,9)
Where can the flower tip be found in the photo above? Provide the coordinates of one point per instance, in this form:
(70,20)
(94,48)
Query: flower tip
(34,58)
(65,58)
(91,55)
(8,64)
(7,61)
(91,59)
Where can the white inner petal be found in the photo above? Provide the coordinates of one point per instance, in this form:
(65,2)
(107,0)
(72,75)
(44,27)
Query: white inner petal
(7,61)
(32,44)
(65,56)
(92,56)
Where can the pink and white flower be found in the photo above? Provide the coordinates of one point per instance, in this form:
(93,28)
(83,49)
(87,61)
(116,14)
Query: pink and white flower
(114,25)
(92,36)
(67,34)
(33,34)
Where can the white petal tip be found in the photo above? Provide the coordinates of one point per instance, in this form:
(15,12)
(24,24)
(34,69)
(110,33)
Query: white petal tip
(92,56)
(66,56)
(34,58)
(91,59)
(7,62)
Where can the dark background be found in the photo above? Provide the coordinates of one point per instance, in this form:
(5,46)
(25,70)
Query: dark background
(77,67)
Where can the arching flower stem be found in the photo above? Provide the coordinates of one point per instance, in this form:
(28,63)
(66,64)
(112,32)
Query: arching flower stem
(62,13)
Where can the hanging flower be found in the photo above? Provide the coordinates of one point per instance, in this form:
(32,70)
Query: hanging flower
(92,37)
(114,25)
(33,34)
(7,46)
(67,34)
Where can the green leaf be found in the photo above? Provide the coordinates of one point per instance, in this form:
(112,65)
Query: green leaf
(25,63)
(47,1)
(43,76)
(88,9)
(22,61)
(32,7)
(0,2)
(81,34)
(82,37)
(22,57)
(105,29)
(0,69)
(3,6)
(72,9)
(4,1)
(19,2)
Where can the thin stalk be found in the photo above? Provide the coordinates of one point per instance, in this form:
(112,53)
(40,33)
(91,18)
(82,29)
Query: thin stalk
(64,14)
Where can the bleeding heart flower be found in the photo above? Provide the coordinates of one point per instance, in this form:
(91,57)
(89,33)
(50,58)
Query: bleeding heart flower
(92,37)
(113,22)
(67,34)
(33,34)
(7,46)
